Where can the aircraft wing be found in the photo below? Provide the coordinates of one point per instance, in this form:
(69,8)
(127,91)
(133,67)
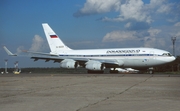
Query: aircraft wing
(30,52)
(40,53)
(8,51)
(108,63)
(56,58)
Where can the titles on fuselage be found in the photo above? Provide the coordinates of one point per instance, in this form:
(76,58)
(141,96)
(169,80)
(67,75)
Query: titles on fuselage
(122,51)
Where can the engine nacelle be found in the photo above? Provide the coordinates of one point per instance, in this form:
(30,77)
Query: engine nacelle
(95,66)
(69,64)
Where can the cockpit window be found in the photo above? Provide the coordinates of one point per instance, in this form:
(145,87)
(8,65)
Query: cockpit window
(167,54)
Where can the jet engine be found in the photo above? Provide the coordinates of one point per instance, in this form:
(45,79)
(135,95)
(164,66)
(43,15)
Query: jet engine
(69,64)
(95,66)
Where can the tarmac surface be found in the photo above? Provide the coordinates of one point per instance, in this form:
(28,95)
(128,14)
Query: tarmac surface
(89,92)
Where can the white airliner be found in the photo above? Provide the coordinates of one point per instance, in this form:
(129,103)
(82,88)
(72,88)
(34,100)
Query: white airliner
(99,59)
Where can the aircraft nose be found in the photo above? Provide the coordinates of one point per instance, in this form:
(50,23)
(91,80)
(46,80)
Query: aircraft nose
(172,58)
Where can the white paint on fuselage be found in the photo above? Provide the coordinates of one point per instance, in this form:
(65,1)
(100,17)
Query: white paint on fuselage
(146,57)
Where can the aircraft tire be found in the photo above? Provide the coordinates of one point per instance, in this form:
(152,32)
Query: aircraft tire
(151,72)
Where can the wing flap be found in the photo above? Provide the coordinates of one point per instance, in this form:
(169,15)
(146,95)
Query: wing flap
(82,61)
(47,59)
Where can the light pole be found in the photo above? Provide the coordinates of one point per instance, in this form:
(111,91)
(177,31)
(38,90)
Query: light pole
(173,41)
(6,65)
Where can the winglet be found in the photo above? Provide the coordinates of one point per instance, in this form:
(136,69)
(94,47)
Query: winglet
(9,52)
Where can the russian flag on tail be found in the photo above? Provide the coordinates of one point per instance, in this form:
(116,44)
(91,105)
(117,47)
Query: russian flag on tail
(53,36)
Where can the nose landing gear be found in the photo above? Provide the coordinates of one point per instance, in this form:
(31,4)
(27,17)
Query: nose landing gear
(151,70)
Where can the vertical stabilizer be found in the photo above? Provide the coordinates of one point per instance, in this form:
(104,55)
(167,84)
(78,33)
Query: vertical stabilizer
(55,43)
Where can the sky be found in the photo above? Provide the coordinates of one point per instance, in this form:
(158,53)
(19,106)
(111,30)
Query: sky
(87,24)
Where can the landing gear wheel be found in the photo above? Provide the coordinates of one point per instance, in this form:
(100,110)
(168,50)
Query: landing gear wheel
(151,72)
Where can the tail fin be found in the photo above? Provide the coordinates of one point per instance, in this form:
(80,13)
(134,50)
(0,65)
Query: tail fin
(55,43)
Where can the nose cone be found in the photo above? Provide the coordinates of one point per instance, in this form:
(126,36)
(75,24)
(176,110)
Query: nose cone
(164,60)
(172,59)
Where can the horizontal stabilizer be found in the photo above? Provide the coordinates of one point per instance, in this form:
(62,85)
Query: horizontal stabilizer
(9,52)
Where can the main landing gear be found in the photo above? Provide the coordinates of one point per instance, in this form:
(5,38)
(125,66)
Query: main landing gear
(113,71)
(151,70)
